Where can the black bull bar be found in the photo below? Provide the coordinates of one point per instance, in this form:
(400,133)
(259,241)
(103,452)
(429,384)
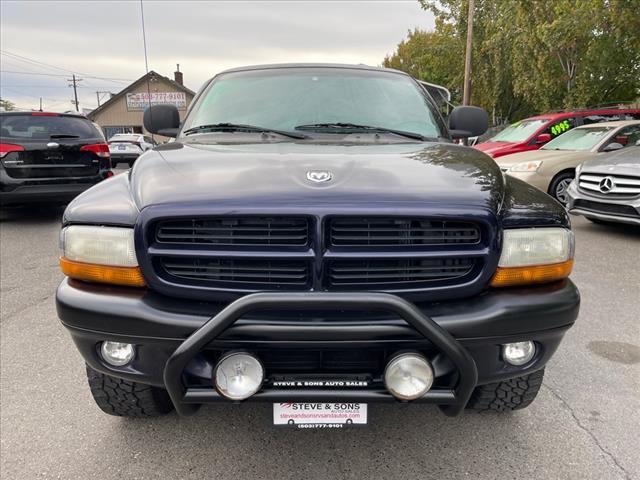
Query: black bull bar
(451,400)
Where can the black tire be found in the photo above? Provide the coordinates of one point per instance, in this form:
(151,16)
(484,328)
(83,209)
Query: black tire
(507,395)
(114,163)
(559,184)
(124,398)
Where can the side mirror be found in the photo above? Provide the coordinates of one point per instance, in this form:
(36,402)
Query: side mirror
(543,138)
(612,147)
(465,122)
(162,120)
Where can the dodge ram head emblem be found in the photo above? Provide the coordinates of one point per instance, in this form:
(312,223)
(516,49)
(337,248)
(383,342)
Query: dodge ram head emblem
(606,184)
(319,176)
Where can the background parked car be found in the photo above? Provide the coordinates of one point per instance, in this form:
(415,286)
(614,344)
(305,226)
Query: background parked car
(49,157)
(607,188)
(552,168)
(532,133)
(127,147)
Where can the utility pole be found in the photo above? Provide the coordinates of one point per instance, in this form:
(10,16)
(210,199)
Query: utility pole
(74,81)
(100,93)
(40,103)
(466,95)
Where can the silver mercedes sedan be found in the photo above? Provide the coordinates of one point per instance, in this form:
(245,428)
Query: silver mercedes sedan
(607,188)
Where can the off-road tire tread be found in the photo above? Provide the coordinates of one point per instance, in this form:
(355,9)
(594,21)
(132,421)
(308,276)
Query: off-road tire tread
(124,398)
(512,394)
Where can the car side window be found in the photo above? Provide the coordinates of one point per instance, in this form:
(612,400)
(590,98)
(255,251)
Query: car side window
(561,126)
(627,137)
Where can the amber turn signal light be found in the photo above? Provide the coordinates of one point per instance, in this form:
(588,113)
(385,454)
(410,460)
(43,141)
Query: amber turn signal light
(90,272)
(515,276)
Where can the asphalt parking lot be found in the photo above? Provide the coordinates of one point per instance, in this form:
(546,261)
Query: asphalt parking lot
(582,425)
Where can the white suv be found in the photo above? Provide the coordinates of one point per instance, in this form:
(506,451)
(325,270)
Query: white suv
(127,147)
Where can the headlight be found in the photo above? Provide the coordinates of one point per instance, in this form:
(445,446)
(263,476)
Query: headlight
(100,254)
(534,255)
(526,166)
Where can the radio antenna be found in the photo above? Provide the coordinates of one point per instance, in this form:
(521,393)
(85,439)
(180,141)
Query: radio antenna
(146,61)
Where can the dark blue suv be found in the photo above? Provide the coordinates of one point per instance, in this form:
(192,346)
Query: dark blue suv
(314,239)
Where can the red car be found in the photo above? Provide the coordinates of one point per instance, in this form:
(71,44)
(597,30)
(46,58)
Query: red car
(531,133)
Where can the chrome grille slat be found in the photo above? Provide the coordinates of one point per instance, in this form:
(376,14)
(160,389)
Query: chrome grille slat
(624,185)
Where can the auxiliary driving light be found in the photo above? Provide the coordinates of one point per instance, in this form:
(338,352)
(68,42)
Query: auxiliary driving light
(408,376)
(518,353)
(116,353)
(238,375)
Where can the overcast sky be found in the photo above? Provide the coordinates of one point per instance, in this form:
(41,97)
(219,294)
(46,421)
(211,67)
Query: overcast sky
(104,39)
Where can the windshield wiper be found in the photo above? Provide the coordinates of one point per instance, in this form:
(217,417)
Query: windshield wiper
(63,135)
(353,127)
(236,127)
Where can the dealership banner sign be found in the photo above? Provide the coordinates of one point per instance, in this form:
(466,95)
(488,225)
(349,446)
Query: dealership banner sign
(140,101)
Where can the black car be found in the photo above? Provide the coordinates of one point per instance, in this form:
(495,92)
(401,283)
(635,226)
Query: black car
(49,157)
(313,238)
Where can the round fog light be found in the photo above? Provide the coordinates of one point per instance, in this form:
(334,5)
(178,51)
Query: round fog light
(408,376)
(238,376)
(116,353)
(518,353)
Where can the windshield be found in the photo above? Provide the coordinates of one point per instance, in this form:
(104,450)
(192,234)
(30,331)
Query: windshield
(284,98)
(519,131)
(578,139)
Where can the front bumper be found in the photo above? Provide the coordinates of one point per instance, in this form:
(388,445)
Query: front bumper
(602,208)
(45,193)
(124,157)
(177,341)
(14,191)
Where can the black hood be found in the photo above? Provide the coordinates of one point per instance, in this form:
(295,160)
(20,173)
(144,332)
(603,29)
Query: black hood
(276,173)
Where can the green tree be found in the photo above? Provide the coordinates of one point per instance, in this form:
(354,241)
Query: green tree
(530,56)
(431,56)
(6,105)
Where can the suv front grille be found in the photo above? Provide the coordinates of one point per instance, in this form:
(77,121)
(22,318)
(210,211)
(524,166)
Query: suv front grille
(239,254)
(397,273)
(400,232)
(622,185)
(238,273)
(236,231)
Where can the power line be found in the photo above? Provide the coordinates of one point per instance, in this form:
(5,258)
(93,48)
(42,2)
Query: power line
(16,92)
(65,75)
(32,61)
(60,87)
(40,64)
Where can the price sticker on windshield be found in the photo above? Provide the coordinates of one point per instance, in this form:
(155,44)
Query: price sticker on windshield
(560,127)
